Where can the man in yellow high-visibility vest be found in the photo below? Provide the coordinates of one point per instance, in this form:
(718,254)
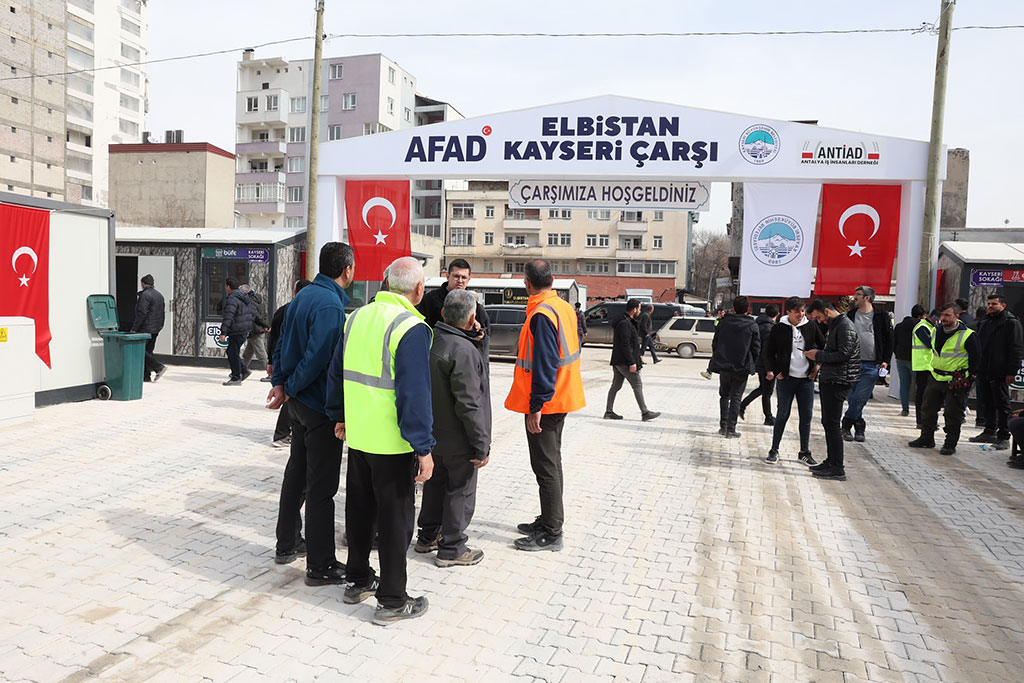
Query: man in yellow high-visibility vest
(383,409)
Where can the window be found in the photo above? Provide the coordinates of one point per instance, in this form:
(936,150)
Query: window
(515,266)
(391,106)
(258,166)
(553,239)
(591,240)
(336,71)
(133,5)
(297,134)
(462,210)
(391,75)
(408,114)
(417,206)
(87,5)
(683,324)
(131,27)
(706,326)
(76,162)
(589,267)
(80,83)
(488,238)
(214,275)
(517,239)
(462,237)
(87,192)
(348,100)
(488,212)
(646,267)
(294,222)
(271,102)
(565,240)
(79,59)
(334,131)
(488,265)
(659,215)
(252,104)
(631,242)
(80,30)
(658,240)
(296,164)
(325,101)
(14,100)
(602,240)
(373,128)
(129,77)
(602,266)
(560,214)
(515,214)
(296,194)
(430,230)
(632,216)
(130,53)
(298,105)
(129,127)
(129,102)
(599,214)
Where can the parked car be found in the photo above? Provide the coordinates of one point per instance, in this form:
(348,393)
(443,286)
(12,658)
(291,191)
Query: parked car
(600,317)
(686,336)
(506,322)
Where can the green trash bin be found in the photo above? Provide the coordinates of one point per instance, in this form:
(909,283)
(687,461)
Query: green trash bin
(124,353)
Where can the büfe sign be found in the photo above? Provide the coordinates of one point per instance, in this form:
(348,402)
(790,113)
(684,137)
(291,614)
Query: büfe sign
(995,277)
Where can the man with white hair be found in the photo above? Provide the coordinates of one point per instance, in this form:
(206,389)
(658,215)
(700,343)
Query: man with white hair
(382,408)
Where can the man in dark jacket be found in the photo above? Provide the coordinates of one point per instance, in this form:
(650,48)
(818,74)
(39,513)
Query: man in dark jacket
(627,359)
(256,344)
(283,428)
(1002,349)
(149,319)
(459,275)
(310,332)
(902,336)
(647,330)
(963,312)
(234,328)
(839,369)
(765,322)
(461,397)
(734,348)
(874,334)
(581,322)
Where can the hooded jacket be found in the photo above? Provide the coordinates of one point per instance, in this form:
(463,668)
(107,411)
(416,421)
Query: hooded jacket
(1002,347)
(736,344)
(260,322)
(778,350)
(239,314)
(840,359)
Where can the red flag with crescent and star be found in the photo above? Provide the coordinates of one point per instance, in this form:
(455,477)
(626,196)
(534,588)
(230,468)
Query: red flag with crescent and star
(860,229)
(25,269)
(378,224)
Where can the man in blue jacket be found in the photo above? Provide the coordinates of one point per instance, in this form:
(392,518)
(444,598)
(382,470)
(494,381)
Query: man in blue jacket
(312,327)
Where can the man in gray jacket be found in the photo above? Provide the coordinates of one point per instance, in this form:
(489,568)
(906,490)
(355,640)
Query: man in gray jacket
(460,392)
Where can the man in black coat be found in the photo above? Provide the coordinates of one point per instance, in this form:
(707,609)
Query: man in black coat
(1002,349)
(839,369)
(459,275)
(461,396)
(149,319)
(647,330)
(238,317)
(626,361)
(765,322)
(734,348)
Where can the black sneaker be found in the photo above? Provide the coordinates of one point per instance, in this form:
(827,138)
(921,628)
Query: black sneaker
(732,434)
(979,422)
(159,373)
(904,413)
(722,432)
(769,421)
(413,607)
(530,528)
(858,437)
(823,465)
(1000,445)
(245,374)
(609,415)
(290,556)
(922,442)
(947,449)
(773,457)
(805,458)
(334,573)
(650,415)
(984,437)
(1015,463)
(541,540)
(356,594)
(847,434)
(423,546)
(830,473)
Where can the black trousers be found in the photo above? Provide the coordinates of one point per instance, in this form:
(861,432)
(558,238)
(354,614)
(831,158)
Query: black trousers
(764,389)
(235,342)
(381,485)
(649,344)
(1016,427)
(546,460)
(994,395)
(621,373)
(449,500)
(151,364)
(284,422)
(920,384)
(731,385)
(942,395)
(311,476)
(831,397)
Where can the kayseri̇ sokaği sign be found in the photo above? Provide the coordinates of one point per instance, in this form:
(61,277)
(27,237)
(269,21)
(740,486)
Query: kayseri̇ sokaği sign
(613,194)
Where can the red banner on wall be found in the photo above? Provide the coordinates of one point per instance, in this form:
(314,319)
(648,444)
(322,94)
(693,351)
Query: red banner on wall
(860,229)
(25,269)
(378,224)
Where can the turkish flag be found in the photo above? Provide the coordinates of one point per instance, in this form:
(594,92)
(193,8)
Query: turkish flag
(25,269)
(860,228)
(378,224)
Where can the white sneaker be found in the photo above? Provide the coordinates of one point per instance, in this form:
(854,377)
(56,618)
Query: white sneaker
(705,374)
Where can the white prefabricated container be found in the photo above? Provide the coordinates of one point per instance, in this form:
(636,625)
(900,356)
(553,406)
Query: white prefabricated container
(21,374)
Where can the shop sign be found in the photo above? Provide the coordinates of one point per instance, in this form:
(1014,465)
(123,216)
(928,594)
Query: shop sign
(1018,380)
(612,194)
(212,333)
(251,255)
(514,296)
(992,277)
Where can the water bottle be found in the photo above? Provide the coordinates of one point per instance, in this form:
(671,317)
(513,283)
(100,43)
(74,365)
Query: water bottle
(988,447)
(882,372)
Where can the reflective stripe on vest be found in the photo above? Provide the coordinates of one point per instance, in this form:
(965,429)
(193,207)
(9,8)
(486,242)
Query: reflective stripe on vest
(563,344)
(920,353)
(385,380)
(952,356)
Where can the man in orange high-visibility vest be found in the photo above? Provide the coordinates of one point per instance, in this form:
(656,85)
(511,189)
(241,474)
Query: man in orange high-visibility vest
(546,386)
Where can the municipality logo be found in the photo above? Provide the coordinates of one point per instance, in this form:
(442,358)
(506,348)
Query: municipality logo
(759,144)
(777,240)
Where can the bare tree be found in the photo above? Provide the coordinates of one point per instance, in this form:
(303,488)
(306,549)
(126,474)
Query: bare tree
(710,261)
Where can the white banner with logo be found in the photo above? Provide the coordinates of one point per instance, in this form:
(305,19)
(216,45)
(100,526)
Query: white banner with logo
(778,238)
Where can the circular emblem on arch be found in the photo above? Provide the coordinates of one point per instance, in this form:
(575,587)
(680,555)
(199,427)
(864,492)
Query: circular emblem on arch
(759,144)
(776,240)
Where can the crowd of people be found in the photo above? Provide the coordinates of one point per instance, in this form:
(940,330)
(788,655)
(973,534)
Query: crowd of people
(939,357)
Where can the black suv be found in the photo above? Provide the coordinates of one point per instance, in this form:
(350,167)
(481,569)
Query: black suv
(600,317)
(506,322)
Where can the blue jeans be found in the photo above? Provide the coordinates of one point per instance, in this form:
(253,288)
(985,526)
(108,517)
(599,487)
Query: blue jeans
(905,368)
(786,389)
(860,391)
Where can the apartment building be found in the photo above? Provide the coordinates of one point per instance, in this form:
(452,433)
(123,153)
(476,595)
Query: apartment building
(360,95)
(607,250)
(54,129)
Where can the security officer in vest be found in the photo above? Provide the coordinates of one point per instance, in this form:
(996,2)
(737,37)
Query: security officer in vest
(546,386)
(921,359)
(383,409)
(955,357)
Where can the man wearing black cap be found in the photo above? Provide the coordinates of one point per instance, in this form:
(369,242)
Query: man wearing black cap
(149,319)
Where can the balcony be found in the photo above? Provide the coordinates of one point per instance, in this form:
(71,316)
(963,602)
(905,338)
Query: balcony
(259,197)
(521,224)
(632,227)
(246,177)
(514,250)
(460,250)
(631,254)
(262,117)
(261,148)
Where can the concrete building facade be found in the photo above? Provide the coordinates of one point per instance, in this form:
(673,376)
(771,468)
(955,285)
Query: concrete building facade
(172,185)
(607,250)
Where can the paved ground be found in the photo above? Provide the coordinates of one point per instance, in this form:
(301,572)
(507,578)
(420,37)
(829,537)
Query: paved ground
(138,546)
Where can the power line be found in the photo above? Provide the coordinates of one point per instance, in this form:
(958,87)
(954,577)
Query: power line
(923,28)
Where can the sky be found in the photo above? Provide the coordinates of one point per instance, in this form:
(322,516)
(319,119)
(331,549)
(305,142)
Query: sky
(875,83)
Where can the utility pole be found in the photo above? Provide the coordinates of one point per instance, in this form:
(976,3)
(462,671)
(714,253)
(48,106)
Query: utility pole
(314,145)
(933,193)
